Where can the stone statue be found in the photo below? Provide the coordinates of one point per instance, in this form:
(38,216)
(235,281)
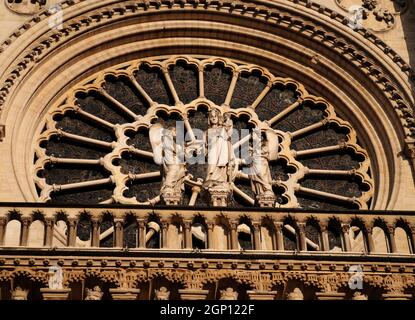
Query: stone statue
(295,295)
(55,278)
(170,156)
(219,149)
(162,294)
(220,156)
(19,294)
(359,296)
(228,294)
(94,294)
(260,174)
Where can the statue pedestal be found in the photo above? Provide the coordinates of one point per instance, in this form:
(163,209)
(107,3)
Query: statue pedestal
(219,196)
(55,294)
(266,200)
(124,294)
(172,199)
(330,296)
(193,294)
(396,296)
(262,295)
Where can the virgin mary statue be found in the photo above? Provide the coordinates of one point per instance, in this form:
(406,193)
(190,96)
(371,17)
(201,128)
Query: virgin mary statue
(219,149)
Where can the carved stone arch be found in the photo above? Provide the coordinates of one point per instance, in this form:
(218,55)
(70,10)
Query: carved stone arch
(403,236)
(222,233)
(291,233)
(365,106)
(291,282)
(313,234)
(199,230)
(380,236)
(335,235)
(358,235)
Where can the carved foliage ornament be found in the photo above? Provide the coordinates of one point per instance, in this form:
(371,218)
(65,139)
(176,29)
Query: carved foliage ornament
(110,139)
(375,15)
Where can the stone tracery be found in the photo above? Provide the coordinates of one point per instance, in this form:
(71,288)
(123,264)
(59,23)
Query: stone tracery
(100,132)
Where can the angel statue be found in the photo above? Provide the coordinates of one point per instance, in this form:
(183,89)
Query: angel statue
(265,148)
(170,156)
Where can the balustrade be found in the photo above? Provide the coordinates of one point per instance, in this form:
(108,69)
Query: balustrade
(315,231)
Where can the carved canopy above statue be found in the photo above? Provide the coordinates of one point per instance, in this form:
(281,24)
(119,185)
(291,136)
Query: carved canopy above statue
(106,140)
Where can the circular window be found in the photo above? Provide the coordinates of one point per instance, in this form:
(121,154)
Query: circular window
(107,141)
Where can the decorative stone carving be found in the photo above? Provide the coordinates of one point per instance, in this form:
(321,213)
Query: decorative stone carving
(26,6)
(162,294)
(260,174)
(94,294)
(19,294)
(220,157)
(55,278)
(359,296)
(170,155)
(228,294)
(297,294)
(226,174)
(378,16)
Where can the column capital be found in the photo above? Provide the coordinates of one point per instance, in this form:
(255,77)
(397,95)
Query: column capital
(3,221)
(210,225)
(278,226)
(49,222)
(345,227)
(301,226)
(187,224)
(118,222)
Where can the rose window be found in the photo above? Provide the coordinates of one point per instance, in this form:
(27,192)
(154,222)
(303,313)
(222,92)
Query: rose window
(106,141)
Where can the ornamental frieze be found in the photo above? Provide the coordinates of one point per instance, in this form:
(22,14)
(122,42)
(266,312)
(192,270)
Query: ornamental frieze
(374,15)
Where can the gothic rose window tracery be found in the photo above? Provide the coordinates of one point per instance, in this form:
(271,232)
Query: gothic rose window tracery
(95,146)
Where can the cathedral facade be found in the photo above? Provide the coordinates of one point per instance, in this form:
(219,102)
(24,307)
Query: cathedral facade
(203,149)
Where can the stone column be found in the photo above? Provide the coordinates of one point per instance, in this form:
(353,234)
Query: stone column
(370,240)
(124,294)
(72,232)
(25,230)
(193,294)
(50,223)
(325,238)
(118,233)
(392,242)
(412,238)
(279,236)
(141,234)
(330,296)
(303,243)
(257,236)
(164,226)
(95,232)
(261,295)
(55,294)
(210,226)
(346,237)
(234,235)
(3,223)
(188,234)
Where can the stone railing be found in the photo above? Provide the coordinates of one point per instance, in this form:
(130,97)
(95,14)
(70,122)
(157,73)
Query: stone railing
(45,226)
